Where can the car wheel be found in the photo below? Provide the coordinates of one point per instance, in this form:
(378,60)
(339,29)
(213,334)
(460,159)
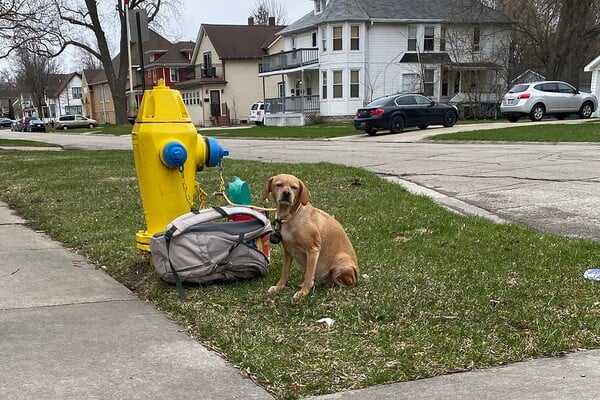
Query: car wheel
(371,131)
(537,112)
(397,124)
(65,128)
(91,126)
(513,118)
(586,110)
(423,127)
(450,119)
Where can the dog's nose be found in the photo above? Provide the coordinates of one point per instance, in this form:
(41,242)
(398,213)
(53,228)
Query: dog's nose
(286,195)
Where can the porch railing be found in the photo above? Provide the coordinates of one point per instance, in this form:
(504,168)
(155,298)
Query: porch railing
(295,104)
(290,59)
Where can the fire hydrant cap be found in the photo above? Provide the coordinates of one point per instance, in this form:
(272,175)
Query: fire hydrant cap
(174,154)
(215,152)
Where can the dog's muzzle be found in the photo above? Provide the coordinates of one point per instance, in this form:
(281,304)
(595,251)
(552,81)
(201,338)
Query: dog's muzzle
(285,197)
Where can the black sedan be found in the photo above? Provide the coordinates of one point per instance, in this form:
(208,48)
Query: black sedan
(34,125)
(395,112)
(6,122)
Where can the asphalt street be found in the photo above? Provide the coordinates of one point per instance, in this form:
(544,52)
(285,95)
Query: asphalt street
(552,187)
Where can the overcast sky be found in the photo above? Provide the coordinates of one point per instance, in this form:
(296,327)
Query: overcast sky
(230,12)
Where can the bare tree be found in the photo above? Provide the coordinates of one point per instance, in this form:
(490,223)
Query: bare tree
(555,37)
(33,72)
(263,9)
(55,25)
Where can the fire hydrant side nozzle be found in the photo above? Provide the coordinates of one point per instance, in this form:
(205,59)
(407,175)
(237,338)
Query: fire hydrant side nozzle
(168,151)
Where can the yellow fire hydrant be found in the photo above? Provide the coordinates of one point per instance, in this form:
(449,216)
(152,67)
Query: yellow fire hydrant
(168,151)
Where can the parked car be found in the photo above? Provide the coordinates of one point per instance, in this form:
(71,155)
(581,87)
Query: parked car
(538,99)
(74,121)
(257,113)
(34,124)
(6,122)
(395,112)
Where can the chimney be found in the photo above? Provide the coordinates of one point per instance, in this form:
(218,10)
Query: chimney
(250,21)
(271,21)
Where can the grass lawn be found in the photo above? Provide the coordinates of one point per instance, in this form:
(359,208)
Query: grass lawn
(584,132)
(438,293)
(25,143)
(301,132)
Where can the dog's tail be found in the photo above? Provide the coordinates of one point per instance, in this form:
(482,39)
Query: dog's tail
(344,273)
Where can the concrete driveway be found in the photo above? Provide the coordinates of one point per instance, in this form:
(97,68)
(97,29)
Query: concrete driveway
(551,187)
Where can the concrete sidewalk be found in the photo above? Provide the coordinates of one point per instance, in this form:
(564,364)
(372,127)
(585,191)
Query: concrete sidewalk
(69,331)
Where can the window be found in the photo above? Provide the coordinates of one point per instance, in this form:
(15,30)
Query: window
(324,38)
(429,40)
(409,82)
(354,37)
(476,38)
(76,91)
(191,98)
(444,82)
(153,73)
(337,38)
(260,68)
(174,74)
(281,89)
(337,85)
(428,82)
(73,110)
(314,39)
(354,83)
(318,6)
(443,38)
(324,85)
(412,38)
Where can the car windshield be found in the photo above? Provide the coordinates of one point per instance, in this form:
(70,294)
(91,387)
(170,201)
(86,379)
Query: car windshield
(518,88)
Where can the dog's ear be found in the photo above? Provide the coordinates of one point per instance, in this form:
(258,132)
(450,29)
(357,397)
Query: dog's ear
(304,194)
(267,189)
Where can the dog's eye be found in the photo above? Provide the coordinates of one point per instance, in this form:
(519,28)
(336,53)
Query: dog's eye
(294,187)
(279,184)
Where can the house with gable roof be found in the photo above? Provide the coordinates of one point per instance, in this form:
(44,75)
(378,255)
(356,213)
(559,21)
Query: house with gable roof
(161,58)
(227,60)
(345,53)
(63,96)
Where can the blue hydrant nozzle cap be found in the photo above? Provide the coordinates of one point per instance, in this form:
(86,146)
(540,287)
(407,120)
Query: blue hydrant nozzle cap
(215,152)
(174,154)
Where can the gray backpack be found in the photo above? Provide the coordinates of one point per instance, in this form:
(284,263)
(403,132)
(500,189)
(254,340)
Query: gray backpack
(197,248)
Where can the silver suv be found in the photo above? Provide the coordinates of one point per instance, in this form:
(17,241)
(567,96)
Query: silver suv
(537,99)
(74,121)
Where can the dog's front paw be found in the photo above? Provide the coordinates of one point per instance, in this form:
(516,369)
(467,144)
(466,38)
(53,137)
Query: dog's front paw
(275,289)
(300,294)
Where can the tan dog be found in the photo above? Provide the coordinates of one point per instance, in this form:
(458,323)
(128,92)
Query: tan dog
(310,236)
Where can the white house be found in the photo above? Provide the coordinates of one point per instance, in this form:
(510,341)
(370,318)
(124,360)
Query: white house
(594,68)
(64,96)
(345,53)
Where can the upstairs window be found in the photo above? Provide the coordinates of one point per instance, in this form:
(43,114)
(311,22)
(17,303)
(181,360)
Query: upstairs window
(337,38)
(412,38)
(429,39)
(174,74)
(354,37)
(443,38)
(76,92)
(324,38)
(314,39)
(476,38)
(324,85)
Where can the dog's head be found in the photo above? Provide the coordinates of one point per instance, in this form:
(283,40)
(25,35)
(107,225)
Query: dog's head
(286,190)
